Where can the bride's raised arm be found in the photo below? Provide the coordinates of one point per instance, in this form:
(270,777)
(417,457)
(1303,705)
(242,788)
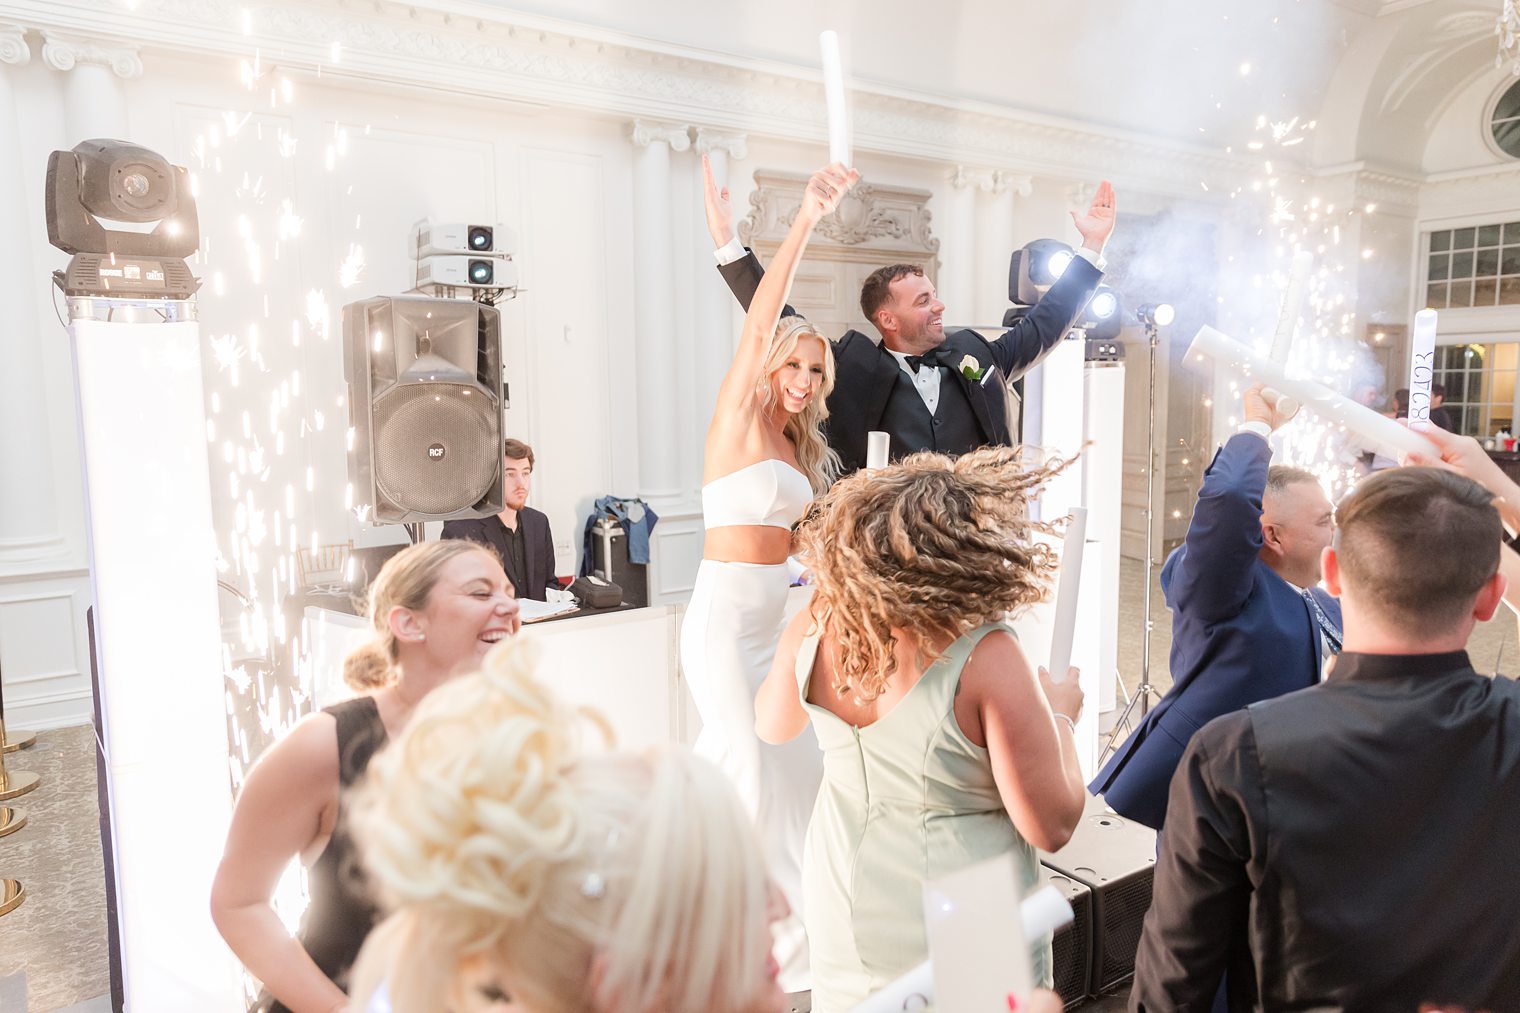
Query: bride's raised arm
(736,395)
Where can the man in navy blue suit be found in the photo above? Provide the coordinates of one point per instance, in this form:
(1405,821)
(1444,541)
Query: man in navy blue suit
(1248,620)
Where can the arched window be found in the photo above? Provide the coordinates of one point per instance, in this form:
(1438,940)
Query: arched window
(1505,121)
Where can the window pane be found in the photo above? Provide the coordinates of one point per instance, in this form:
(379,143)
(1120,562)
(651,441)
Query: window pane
(1461,265)
(1509,103)
(1509,291)
(1485,291)
(1504,387)
(1507,136)
(1462,239)
(1509,262)
(1460,295)
(1511,233)
(1488,235)
(1440,266)
(1486,263)
(1506,354)
(1441,241)
(1456,386)
(1435,296)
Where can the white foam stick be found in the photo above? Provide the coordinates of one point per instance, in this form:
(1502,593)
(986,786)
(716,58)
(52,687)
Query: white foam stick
(833,93)
(877,445)
(1042,912)
(1067,590)
(1292,305)
(1422,362)
(1377,432)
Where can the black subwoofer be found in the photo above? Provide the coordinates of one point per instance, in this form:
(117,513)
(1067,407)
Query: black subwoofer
(1115,858)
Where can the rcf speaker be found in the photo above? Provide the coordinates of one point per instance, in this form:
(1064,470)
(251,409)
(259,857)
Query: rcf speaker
(1072,944)
(424,396)
(1115,858)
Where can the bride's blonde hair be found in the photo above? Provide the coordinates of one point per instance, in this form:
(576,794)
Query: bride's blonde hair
(805,429)
(604,883)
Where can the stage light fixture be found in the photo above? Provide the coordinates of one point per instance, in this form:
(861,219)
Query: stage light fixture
(1035,267)
(1156,314)
(431,238)
(101,184)
(1101,318)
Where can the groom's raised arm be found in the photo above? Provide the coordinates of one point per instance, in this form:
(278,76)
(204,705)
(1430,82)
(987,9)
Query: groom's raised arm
(738,265)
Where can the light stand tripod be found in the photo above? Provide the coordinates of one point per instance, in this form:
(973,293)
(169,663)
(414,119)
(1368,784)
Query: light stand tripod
(1152,318)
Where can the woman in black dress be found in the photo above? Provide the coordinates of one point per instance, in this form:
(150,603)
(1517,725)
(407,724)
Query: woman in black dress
(436,609)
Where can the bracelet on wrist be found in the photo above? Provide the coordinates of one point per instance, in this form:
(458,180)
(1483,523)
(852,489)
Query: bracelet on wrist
(1070,723)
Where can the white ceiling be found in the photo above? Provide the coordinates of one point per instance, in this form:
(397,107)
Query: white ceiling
(1166,67)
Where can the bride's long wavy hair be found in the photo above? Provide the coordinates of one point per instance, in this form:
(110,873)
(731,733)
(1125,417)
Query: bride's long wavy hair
(805,429)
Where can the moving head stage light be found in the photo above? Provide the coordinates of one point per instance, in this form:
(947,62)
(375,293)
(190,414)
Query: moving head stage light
(1033,269)
(104,183)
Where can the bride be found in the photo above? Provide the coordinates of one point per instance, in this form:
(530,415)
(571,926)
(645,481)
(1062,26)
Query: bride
(765,459)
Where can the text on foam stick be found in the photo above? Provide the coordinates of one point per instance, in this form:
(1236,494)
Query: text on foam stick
(1422,361)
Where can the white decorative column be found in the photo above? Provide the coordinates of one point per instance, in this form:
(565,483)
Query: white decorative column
(960,267)
(996,240)
(717,334)
(94,102)
(28,514)
(654,306)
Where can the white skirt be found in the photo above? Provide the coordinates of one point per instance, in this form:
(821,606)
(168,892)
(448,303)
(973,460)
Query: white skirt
(728,641)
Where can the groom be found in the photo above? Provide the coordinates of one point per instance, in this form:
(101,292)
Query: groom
(929,390)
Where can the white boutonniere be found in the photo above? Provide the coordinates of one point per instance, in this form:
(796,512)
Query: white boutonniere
(971,369)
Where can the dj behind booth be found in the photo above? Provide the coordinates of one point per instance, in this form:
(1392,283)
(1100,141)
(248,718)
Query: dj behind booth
(519,534)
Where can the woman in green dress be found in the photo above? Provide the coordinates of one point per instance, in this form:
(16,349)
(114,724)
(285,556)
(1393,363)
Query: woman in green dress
(942,745)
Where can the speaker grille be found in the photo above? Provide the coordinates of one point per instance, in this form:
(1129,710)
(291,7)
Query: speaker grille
(1124,906)
(412,422)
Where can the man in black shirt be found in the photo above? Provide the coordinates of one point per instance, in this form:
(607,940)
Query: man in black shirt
(519,534)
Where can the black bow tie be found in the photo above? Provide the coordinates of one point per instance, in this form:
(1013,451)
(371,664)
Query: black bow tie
(929,358)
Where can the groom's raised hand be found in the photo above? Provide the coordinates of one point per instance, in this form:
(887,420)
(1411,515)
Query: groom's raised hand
(1098,224)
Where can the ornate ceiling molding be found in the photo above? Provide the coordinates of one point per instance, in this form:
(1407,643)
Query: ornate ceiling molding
(485,52)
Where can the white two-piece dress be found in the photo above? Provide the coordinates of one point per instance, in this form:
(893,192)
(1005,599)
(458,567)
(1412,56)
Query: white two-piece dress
(728,641)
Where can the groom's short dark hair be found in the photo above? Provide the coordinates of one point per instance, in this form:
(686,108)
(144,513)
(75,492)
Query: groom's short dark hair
(878,286)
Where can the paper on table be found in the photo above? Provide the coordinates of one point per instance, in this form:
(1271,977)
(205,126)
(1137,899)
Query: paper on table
(534,610)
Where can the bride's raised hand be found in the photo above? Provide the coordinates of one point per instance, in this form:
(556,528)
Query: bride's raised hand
(825,190)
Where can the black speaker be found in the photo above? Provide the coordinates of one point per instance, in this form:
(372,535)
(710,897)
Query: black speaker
(424,396)
(1115,858)
(1072,944)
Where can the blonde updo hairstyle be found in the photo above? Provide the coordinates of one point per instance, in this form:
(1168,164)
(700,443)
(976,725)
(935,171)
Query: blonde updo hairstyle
(934,545)
(818,460)
(612,883)
(406,580)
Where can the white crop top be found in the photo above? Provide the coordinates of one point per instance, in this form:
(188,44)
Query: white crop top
(771,493)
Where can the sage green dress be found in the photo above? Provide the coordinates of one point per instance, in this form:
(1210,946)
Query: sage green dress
(904,800)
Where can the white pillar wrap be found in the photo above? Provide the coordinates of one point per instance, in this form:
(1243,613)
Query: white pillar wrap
(958,253)
(996,241)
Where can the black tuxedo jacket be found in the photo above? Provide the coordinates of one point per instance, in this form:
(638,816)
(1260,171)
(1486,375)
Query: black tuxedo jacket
(865,372)
(539,543)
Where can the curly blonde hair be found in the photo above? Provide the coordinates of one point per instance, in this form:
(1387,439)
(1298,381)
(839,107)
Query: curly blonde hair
(407,579)
(818,460)
(614,883)
(934,545)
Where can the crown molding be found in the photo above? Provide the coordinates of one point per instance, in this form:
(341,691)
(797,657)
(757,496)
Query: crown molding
(482,51)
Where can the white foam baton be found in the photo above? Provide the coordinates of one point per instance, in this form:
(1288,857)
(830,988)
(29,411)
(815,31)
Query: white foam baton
(833,94)
(1422,361)
(877,445)
(1287,323)
(1067,591)
(1043,911)
(1377,432)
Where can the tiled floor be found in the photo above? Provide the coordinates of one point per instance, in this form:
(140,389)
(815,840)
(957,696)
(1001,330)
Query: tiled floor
(53,947)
